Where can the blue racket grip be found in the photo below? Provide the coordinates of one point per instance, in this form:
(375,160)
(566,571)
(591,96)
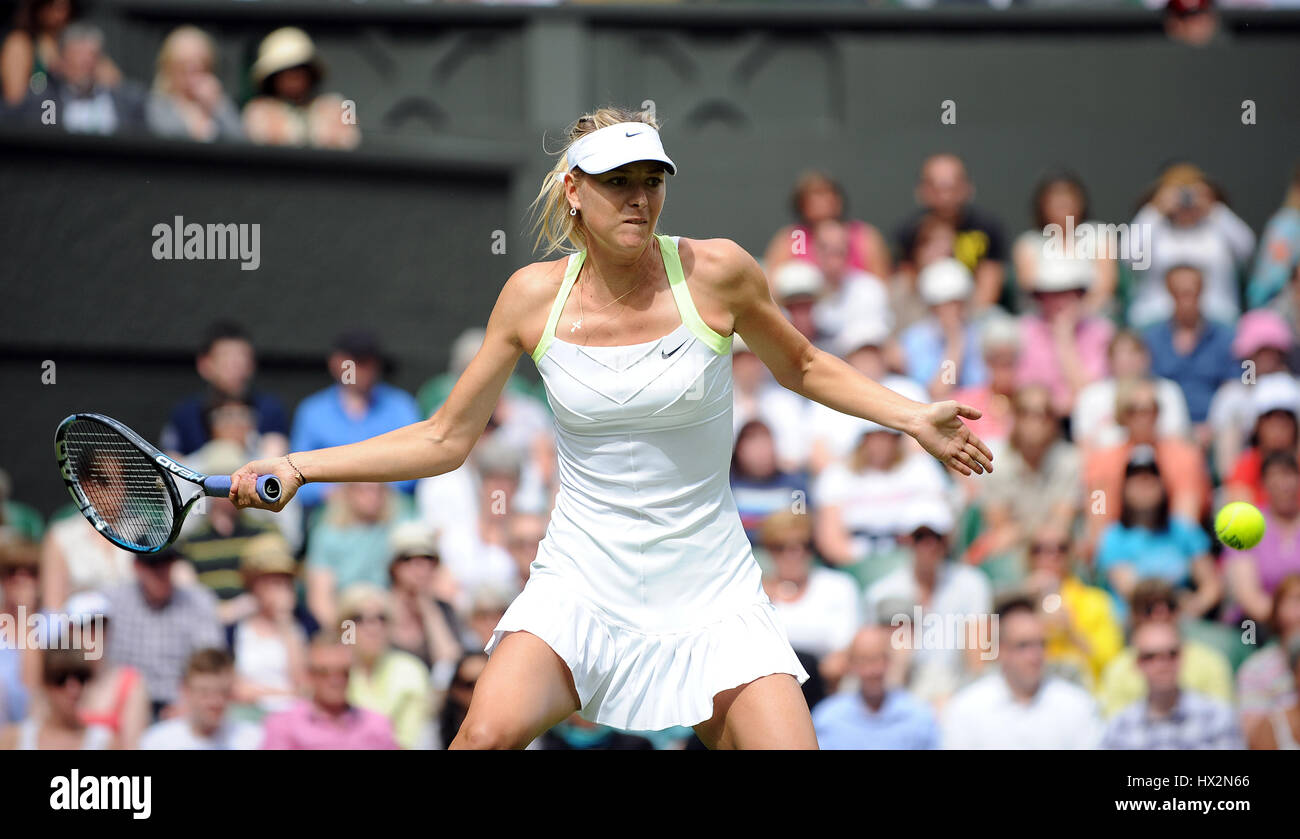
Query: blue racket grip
(268,487)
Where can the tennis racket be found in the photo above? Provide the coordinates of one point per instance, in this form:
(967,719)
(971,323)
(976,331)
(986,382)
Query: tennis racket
(125,487)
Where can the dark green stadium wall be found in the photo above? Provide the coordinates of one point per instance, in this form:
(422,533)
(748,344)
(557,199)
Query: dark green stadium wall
(453,106)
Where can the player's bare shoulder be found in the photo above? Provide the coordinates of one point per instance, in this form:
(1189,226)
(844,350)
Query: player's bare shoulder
(525,300)
(722,274)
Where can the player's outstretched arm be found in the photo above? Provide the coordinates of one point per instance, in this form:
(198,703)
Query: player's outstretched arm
(429,447)
(803,368)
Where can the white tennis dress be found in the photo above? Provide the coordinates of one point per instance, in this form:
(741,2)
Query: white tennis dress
(645,583)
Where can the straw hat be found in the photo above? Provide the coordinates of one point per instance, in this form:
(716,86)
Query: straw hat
(284,49)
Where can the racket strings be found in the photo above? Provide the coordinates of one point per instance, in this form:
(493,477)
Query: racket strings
(124,487)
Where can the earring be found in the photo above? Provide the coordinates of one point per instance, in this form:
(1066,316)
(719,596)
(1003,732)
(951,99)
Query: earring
(573,211)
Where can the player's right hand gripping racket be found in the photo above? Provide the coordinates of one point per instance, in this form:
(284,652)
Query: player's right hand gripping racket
(124,486)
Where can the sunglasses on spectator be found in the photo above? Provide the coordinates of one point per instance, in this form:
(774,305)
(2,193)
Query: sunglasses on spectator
(787,547)
(1049,547)
(923,533)
(1168,654)
(366,617)
(1142,408)
(1036,643)
(61,679)
(330,671)
(434,558)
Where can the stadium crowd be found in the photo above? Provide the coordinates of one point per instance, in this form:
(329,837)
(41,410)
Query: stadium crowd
(1133,378)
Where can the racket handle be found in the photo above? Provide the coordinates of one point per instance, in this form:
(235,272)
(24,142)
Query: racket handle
(268,487)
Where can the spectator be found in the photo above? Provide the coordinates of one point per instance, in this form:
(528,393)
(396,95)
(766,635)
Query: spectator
(64,675)
(214,541)
(1276,404)
(1262,345)
(30,53)
(945,192)
(1186,222)
(208,688)
(816,200)
(487,605)
(435,391)
(18,521)
(1151,541)
(1180,463)
(1170,717)
(1287,304)
(1093,424)
(359,406)
(759,486)
(818,606)
(115,699)
(74,556)
(459,694)
(1279,250)
(1253,575)
(1281,729)
(851,293)
(84,102)
(19,583)
(756,396)
(1000,350)
(876,715)
(577,733)
(384,679)
(349,544)
(288,110)
(798,287)
(864,344)
(935,239)
(524,532)
(1083,634)
(1264,683)
(1201,668)
(1021,707)
(270,648)
(1063,227)
(1062,345)
(1036,483)
(932,590)
(424,625)
(469,508)
(1192,351)
(187,100)
(1193,22)
(327,720)
(862,501)
(157,625)
(942,350)
(227,364)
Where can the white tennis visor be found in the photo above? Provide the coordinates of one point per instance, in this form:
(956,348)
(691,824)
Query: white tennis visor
(617,145)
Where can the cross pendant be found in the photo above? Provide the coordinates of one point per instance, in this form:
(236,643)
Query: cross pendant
(577,324)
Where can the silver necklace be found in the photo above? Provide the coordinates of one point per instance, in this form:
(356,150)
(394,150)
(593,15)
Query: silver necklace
(577,324)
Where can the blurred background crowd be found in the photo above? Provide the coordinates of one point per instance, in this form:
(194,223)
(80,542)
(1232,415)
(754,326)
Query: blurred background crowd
(1130,383)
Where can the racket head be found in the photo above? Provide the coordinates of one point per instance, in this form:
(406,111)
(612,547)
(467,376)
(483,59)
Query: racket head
(112,475)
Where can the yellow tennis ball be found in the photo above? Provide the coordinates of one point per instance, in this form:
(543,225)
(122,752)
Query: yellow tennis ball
(1239,525)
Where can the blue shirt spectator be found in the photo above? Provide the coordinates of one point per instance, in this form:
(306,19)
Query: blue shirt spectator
(321,422)
(1200,372)
(187,431)
(845,721)
(13,694)
(923,348)
(1279,250)
(1167,555)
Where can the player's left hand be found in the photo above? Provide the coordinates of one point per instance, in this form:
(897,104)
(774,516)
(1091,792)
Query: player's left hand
(942,433)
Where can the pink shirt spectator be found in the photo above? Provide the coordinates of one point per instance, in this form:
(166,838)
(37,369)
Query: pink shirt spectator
(1278,553)
(1040,366)
(303,727)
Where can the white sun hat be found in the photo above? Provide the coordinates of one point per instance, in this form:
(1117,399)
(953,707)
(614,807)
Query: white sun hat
(944,281)
(617,145)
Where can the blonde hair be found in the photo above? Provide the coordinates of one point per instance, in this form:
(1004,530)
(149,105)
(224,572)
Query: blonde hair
(167,53)
(553,224)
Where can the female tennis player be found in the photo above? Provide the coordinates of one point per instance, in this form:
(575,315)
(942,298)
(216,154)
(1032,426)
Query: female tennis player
(645,607)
